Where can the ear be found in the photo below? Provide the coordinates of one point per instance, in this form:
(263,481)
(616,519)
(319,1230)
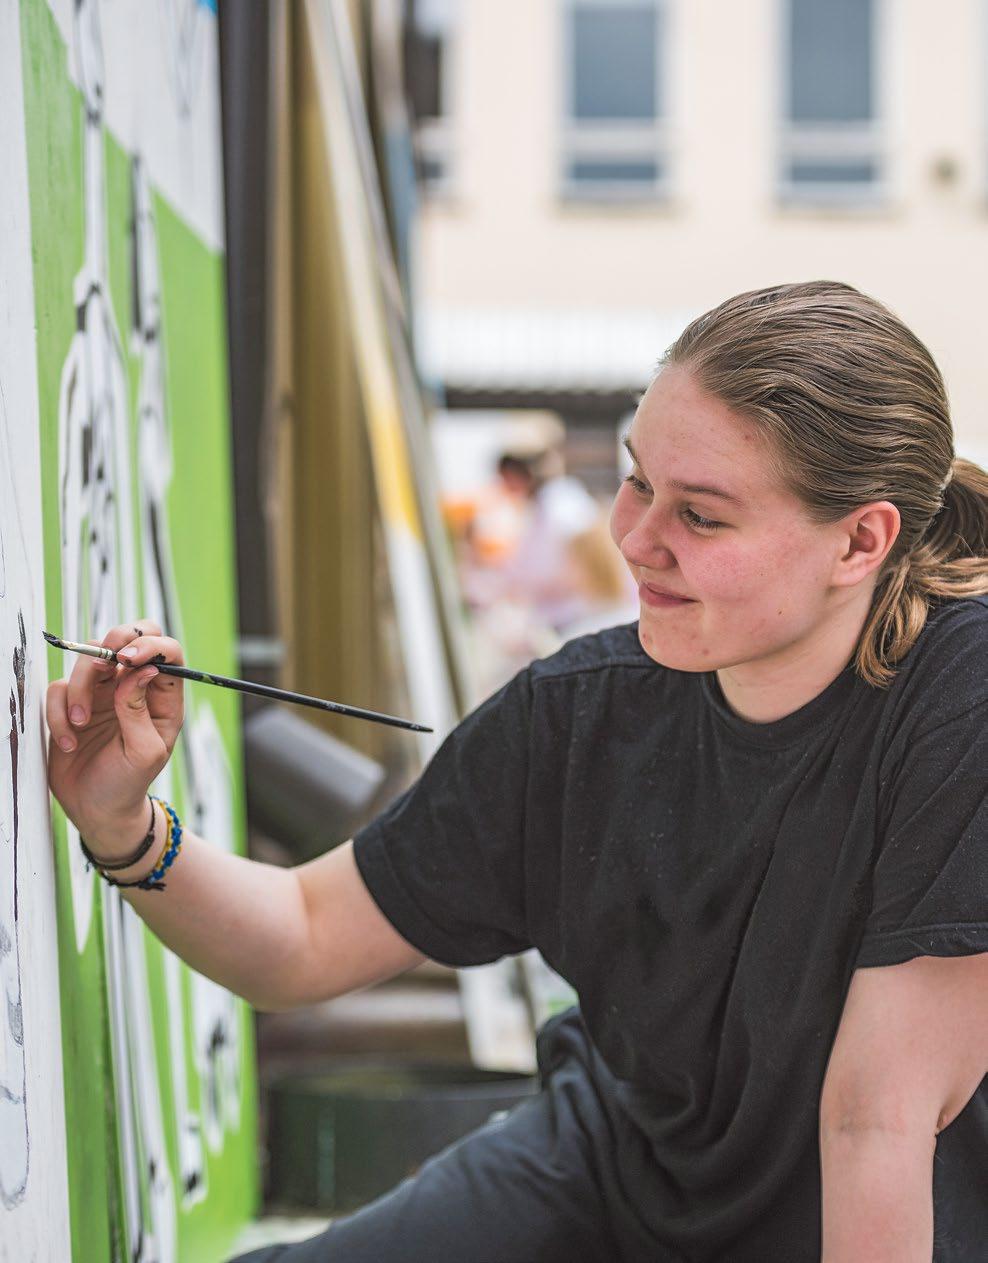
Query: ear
(866,538)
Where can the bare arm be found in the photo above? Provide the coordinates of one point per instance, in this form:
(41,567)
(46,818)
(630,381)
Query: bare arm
(911,1049)
(278,937)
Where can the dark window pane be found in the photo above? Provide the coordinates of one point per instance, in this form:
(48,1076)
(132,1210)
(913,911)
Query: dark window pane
(433,170)
(424,74)
(854,172)
(614,171)
(830,63)
(614,62)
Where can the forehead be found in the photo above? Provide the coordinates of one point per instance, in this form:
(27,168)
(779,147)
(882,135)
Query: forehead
(690,436)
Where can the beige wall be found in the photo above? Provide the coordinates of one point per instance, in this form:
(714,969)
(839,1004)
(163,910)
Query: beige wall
(504,238)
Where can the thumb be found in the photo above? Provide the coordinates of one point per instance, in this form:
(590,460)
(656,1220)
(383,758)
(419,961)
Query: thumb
(143,746)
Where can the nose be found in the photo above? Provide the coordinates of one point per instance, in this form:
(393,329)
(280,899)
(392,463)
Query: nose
(641,546)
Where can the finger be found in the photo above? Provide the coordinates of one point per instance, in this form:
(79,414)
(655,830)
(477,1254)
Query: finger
(57,714)
(124,633)
(166,695)
(143,747)
(151,649)
(89,673)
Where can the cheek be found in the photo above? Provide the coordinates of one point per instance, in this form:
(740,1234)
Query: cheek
(737,574)
(760,584)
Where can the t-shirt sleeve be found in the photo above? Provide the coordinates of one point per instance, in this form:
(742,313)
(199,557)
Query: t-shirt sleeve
(445,862)
(930,886)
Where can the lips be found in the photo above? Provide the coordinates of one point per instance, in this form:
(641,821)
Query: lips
(664,591)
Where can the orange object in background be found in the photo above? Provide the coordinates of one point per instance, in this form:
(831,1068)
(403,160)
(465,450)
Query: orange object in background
(486,525)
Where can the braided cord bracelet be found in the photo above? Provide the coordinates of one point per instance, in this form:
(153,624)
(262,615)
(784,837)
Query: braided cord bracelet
(105,865)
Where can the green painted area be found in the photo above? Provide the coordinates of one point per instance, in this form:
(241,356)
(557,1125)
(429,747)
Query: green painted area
(200,535)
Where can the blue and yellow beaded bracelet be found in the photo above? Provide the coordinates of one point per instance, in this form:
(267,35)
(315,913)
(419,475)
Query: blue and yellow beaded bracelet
(173,844)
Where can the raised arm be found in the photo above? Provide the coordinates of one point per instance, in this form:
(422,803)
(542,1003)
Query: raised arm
(911,1050)
(278,937)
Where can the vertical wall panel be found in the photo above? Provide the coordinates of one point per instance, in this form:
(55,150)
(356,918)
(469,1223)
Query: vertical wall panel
(133,500)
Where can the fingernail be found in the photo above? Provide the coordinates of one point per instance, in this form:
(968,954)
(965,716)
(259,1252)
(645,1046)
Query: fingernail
(77,715)
(145,676)
(126,653)
(66,743)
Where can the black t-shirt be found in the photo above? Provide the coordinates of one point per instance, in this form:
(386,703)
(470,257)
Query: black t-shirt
(708,885)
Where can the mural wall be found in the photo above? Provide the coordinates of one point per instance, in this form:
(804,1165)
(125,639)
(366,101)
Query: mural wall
(115,502)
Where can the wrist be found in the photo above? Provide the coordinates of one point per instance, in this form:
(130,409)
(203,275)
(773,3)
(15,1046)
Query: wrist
(115,840)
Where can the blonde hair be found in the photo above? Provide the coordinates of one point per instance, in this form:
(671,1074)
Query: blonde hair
(854,410)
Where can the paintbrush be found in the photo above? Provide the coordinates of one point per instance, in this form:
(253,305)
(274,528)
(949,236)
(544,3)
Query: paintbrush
(241,686)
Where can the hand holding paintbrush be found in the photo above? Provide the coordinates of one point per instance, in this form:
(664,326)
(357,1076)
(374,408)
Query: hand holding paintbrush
(113,730)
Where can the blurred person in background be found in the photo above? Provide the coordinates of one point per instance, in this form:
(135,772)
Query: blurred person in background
(559,575)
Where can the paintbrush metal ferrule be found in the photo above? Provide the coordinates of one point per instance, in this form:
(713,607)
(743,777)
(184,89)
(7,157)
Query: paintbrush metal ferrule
(91,651)
(240,686)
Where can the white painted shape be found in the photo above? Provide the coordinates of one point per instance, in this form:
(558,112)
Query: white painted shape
(37,1226)
(215,1011)
(162,98)
(192,1174)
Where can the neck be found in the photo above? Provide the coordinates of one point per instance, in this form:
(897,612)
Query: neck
(768,689)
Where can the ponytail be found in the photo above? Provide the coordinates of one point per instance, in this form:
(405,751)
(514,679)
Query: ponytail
(950,560)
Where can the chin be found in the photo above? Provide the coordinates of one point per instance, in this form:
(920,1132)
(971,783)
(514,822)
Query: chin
(669,652)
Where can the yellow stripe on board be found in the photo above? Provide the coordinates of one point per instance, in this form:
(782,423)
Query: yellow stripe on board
(394,472)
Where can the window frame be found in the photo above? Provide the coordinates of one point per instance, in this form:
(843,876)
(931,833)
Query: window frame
(628,139)
(839,141)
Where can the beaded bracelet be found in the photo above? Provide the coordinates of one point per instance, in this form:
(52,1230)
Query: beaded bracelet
(148,841)
(173,844)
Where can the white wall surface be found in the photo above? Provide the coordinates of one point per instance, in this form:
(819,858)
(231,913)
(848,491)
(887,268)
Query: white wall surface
(34,1212)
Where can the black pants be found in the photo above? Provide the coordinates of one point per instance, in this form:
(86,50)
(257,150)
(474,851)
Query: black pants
(523,1189)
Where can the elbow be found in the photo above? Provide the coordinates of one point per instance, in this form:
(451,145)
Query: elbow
(843,1121)
(275,1002)
(287,996)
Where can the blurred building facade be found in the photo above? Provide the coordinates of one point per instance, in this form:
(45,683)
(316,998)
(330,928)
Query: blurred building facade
(599,171)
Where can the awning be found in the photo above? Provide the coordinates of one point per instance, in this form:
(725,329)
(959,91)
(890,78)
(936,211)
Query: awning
(517,350)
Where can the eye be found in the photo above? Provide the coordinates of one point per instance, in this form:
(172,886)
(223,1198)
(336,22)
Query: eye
(693,520)
(640,488)
(700,523)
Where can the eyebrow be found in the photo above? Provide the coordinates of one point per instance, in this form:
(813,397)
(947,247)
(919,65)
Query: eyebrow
(693,488)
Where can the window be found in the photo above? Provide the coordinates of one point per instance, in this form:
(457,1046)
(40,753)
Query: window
(832,150)
(614,144)
(427,44)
